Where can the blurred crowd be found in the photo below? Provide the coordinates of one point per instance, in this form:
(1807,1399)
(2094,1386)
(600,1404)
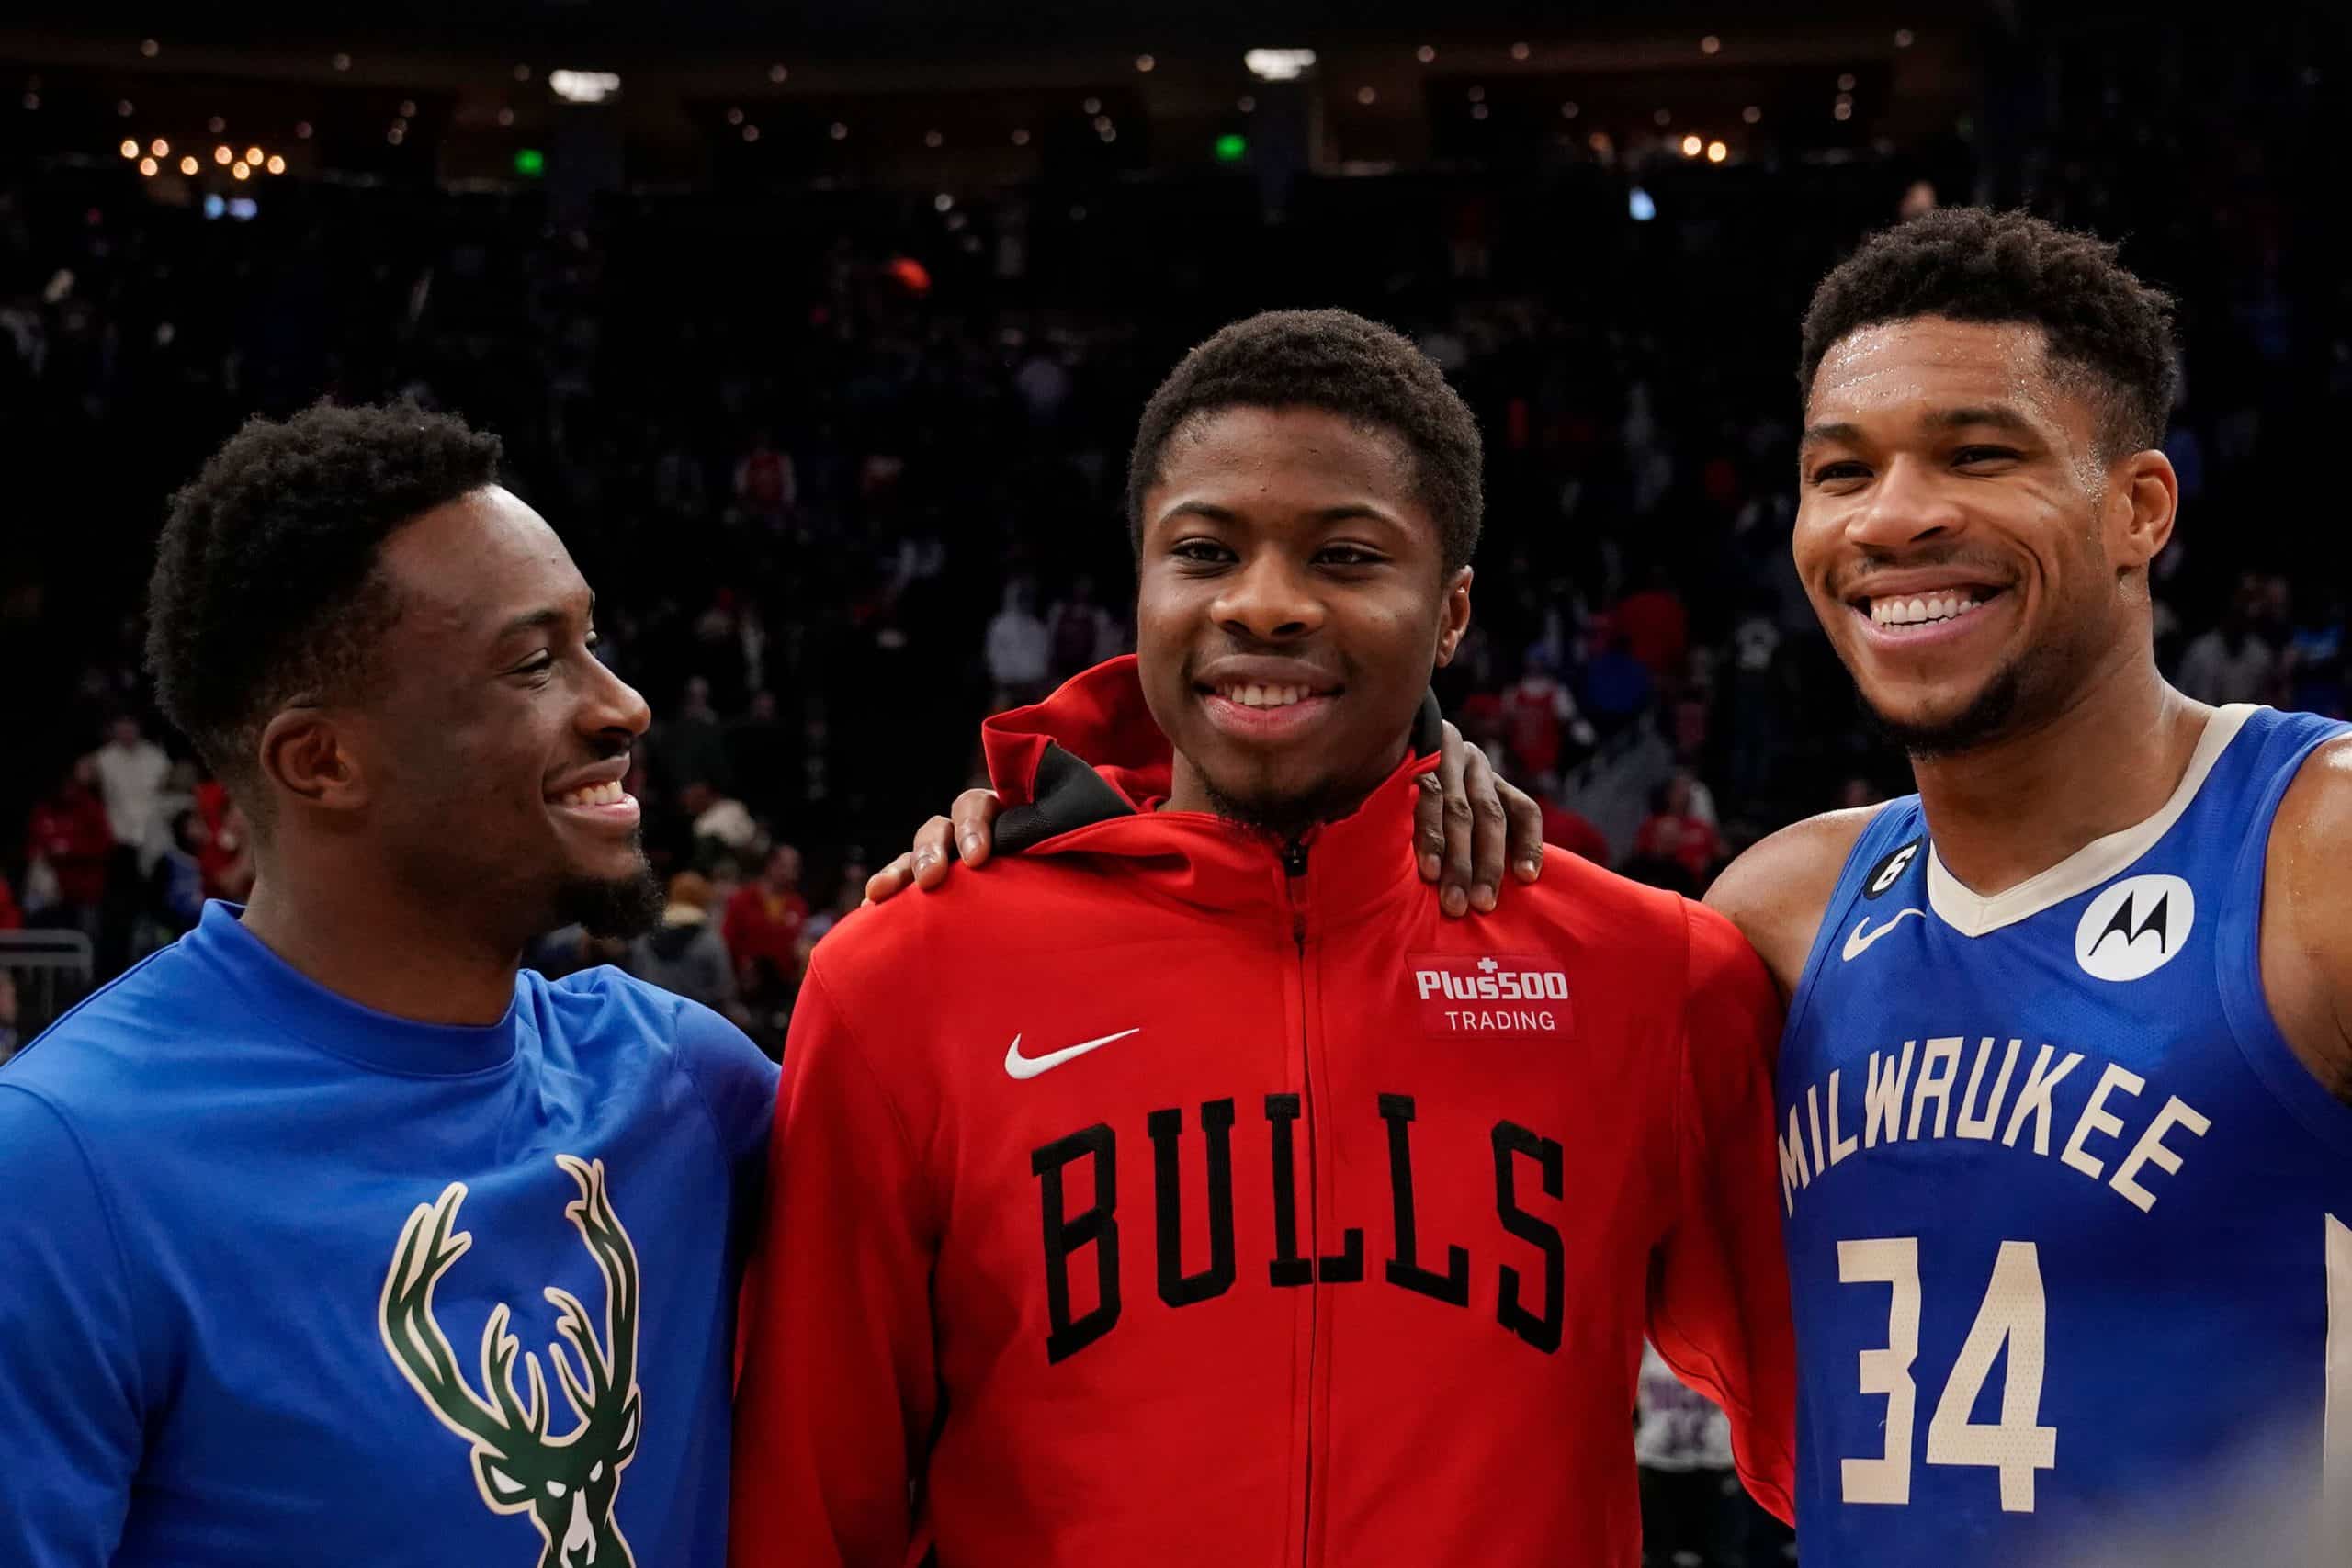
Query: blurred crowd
(845,467)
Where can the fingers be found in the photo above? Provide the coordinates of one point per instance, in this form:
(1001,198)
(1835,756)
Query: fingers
(930,852)
(1454,874)
(1429,827)
(968,834)
(974,816)
(890,880)
(1526,816)
(1489,830)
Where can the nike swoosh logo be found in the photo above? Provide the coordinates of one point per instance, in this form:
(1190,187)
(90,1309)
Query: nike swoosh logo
(1860,942)
(1021,1067)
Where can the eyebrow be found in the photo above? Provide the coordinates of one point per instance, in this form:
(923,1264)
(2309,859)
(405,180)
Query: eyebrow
(538,620)
(1351,511)
(1999,416)
(1996,416)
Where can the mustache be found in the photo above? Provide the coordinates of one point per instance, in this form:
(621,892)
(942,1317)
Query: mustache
(1958,560)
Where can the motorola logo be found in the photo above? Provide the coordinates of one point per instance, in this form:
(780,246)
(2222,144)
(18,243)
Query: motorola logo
(2135,926)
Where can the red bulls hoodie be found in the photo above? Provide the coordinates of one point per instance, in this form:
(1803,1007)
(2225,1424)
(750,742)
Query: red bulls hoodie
(1165,1194)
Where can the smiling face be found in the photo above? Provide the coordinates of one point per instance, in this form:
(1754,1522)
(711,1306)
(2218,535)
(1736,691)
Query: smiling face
(1973,555)
(493,743)
(1293,598)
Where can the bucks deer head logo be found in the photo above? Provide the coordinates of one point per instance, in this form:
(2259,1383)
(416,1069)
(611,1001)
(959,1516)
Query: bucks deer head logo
(566,1483)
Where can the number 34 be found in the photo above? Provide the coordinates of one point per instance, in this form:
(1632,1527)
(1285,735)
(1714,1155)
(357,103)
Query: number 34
(2014,1314)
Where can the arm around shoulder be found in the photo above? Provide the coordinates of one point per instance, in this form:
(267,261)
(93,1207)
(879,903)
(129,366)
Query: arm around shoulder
(70,1375)
(1777,892)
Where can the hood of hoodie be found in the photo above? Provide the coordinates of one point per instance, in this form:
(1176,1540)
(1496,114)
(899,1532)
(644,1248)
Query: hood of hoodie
(1083,772)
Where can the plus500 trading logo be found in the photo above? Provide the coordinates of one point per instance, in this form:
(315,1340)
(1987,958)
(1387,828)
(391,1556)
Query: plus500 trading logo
(1499,994)
(1493,983)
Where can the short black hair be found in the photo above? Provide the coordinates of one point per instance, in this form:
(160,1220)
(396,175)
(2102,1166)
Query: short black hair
(266,587)
(1972,264)
(1337,361)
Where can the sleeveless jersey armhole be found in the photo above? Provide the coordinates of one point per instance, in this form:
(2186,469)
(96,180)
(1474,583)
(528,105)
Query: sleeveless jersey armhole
(1872,842)
(2237,954)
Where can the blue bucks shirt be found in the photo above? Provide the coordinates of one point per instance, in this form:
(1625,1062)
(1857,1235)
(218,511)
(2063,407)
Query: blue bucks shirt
(2066,1219)
(285,1281)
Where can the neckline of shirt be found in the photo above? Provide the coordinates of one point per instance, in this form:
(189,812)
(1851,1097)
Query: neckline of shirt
(1974,914)
(309,1012)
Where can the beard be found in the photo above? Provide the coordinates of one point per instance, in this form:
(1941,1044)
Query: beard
(1987,715)
(612,906)
(1286,817)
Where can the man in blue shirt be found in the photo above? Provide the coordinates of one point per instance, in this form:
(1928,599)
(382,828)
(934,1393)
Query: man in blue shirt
(325,1234)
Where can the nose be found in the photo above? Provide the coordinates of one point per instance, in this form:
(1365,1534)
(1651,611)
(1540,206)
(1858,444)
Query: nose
(1268,600)
(1912,502)
(612,707)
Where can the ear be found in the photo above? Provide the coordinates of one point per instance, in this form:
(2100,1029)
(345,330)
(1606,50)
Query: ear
(1453,614)
(308,753)
(2143,498)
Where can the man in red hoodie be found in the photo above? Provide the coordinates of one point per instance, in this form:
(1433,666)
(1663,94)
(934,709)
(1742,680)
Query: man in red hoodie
(1188,1186)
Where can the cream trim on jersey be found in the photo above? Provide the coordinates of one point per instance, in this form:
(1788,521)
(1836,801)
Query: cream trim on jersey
(1972,914)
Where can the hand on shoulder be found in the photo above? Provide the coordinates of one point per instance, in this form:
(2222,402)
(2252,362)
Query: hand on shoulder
(1468,821)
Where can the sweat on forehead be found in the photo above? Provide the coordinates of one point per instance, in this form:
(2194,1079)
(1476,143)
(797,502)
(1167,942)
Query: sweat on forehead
(1946,373)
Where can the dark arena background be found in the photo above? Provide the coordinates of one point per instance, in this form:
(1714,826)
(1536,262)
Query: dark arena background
(820,333)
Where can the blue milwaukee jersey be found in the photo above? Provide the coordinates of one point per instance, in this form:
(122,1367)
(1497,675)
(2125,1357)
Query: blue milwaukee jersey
(2066,1218)
(284,1280)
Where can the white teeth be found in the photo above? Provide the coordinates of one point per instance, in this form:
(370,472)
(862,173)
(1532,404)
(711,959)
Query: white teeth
(1263,696)
(595,794)
(1917,612)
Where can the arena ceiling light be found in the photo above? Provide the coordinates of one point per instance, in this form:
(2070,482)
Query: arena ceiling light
(1278,64)
(584,87)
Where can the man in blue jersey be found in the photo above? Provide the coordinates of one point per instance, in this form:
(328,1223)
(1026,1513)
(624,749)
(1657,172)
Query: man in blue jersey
(327,1237)
(2066,1093)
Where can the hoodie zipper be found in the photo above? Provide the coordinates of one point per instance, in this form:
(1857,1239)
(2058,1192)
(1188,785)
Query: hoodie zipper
(1295,890)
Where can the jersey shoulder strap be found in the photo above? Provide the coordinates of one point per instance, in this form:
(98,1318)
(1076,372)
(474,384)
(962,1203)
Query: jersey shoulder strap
(1888,856)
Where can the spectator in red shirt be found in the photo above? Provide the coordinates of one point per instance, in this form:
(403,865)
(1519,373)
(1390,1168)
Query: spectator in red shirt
(1655,626)
(69,831)
(1676,835)
(11,918)
(1540,721)
(765,485)
(1570,831)
(762,927)
(1564,829)
(224,851)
